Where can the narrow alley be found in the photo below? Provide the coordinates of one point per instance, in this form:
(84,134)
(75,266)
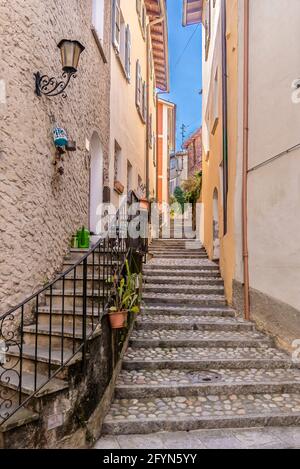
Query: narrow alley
(149,228)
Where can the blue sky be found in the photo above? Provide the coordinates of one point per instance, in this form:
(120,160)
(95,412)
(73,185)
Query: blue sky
(185,70)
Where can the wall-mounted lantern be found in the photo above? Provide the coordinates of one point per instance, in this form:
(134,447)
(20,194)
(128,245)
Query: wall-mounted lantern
(70,55)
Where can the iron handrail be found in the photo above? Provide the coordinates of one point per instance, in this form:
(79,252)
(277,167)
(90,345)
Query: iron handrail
(108,248)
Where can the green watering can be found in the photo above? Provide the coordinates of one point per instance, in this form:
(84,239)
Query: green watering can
(83,236)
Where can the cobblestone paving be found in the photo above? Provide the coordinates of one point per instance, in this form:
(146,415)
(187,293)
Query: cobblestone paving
(175,377)
(211,353)
(179,273)
(181,262)
(162,334)
(181,280)
(183,296)
(204,406)
(194,288)
(161,318)
(192,364)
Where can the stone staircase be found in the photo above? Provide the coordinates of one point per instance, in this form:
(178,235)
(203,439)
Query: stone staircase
(192,363)
(48,343)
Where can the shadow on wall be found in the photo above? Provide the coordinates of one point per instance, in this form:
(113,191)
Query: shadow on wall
(216,234)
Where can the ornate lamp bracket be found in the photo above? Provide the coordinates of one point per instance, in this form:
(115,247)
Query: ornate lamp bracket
(51,86)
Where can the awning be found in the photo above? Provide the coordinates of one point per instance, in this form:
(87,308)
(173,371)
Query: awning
(156,10)
(192,12)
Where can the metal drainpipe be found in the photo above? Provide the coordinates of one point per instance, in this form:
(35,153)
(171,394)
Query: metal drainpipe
(245,163)
(224,115)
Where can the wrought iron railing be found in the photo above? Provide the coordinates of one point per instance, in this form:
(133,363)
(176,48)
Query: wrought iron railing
(62,317)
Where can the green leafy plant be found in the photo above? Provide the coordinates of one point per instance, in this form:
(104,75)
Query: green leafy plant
(126,297)
(180,197)
(192,188)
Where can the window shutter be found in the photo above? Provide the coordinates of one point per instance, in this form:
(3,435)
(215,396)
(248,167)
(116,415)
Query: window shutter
(154,149)
(138,84)
(116,26)
(150,132)
(128,53)
(98,18)
(144,111)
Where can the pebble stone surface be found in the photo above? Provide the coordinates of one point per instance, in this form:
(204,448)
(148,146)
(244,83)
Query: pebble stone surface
(181,377)
(198,377)
(209,353)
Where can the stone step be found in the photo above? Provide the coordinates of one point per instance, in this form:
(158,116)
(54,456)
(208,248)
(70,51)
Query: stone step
(133,416)
(165,280)
(183,274)
(194,358)
(187,247)
(77,254)
(12,380)
(182,299)
(104,268)
(95,282)
(181,255)
(185,289)
(149,322)
(70,316)
(138,384)
(222,311)
(165,266)
(180,338)
(41,357)
(22,416)
(176,243)
(93,298)
(60,337)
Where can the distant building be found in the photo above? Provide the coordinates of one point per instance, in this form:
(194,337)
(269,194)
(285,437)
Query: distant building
(193,146)
(166,131)
(178,170)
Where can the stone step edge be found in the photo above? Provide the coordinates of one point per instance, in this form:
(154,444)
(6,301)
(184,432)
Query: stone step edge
(135,391)
(208,364)
(52,387)
(145,426)
(199,343)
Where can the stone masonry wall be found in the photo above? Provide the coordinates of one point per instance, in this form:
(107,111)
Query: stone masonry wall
(39,209)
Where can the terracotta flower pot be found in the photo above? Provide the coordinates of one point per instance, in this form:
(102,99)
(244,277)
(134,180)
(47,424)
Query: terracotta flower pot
(117,319)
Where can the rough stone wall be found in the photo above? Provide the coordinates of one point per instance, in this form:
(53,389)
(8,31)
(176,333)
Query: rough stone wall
(39,209)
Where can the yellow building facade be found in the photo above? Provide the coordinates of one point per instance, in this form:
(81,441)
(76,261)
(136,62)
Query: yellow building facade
(139,66)
(220,133)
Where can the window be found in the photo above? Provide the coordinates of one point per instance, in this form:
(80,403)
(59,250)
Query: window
(138,85)
(144,108)
(141,93)
(154,96)
(142,14)
(122,44)
(151,64)
(150,131)
(215,103)
(98,19)
(128,53)
(117,162)
(116,24)
(129,177)
(122,39)
(154,149)
(207,26)
(143,20)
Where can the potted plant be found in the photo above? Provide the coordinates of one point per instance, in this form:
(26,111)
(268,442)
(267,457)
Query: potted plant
(125,300)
